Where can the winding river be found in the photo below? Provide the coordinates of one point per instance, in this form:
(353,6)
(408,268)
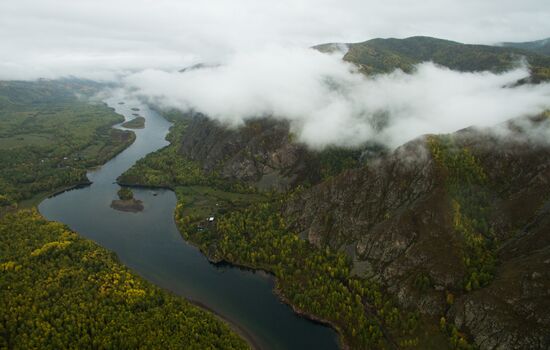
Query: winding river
(149,243)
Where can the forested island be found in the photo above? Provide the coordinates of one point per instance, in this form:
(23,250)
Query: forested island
(126,201)
(137,123)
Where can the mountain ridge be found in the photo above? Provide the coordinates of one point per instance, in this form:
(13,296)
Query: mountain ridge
(379,55)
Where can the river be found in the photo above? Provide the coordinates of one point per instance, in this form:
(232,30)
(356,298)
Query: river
(149,243)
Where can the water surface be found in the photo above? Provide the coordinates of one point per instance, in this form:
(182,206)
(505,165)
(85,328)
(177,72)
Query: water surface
(149,243)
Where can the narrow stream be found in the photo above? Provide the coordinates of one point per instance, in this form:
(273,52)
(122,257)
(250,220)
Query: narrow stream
(149,243)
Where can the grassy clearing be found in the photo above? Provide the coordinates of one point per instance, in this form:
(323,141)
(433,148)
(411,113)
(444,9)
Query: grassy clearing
(204,201)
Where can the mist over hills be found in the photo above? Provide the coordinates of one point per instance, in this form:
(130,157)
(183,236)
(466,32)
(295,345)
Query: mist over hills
(453,225)
(385,55)
(538,46)
(396,188)
(383,90)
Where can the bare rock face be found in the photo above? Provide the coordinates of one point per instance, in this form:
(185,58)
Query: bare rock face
(395,219)
(513,311)
(396,216)
(260,152)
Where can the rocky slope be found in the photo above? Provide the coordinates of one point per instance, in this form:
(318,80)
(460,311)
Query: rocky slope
(260,152)
(454,226)
(409,218)
(397,219)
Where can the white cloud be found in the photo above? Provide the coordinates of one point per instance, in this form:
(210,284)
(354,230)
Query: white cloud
(328,102)
(101,38)
(267,71)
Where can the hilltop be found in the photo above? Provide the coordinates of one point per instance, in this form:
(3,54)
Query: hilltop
(385,55)
(539,46)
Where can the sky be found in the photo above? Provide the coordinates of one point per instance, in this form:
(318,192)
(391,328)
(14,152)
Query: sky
(103,38)
(263,64)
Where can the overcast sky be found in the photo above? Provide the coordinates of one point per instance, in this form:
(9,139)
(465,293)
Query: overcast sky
(266,67)
(94,38)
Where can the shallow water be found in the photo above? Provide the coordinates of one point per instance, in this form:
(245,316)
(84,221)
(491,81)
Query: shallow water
(148,242)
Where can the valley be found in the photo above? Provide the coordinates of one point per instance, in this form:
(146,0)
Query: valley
(205,234)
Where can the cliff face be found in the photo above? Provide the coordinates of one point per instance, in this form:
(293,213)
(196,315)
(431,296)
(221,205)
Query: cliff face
(259,153)
(405,224)
(396,219)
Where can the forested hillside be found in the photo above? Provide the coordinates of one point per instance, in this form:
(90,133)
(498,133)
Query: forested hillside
(539,46)
(403,250)
(456,226)
(385,55)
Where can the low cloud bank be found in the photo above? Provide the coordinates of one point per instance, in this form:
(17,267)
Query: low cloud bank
(329,103)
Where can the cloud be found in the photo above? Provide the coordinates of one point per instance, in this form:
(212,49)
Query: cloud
(267,71)
(329,103)
(102,39)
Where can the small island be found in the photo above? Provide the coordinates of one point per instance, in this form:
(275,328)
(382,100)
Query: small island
(136,123)
(126,201)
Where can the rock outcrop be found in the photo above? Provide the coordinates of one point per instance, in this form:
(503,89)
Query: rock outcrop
(260,152)
(395,218)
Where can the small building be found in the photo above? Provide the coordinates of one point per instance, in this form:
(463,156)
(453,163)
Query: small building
(211,219)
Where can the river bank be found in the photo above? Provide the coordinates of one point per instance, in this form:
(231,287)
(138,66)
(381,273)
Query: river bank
(149,243)
(242,332)
(277,291)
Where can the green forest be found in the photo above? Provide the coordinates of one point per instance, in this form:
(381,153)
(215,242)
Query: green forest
(385,55)
(136,123)
(466,182)
(317,282)
(58,290)
(164,168)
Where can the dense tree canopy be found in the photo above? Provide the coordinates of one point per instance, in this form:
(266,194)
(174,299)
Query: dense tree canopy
(58,290)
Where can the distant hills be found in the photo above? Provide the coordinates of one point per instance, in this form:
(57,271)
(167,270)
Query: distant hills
(385,55)
(539,46)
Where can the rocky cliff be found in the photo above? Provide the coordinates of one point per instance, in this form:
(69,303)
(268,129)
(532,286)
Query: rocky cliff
(260,153)
(455,226)
(398,219)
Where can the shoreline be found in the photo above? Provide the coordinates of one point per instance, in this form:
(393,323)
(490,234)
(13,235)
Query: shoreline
(276,289)
(41,197)
(235,327)
(69,188)
(56,192)
(281,297)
